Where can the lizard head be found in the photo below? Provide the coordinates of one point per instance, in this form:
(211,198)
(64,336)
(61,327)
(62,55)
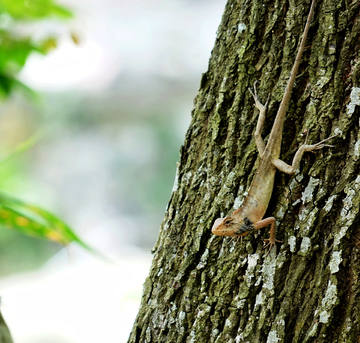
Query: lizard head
(229,226)
(224,227)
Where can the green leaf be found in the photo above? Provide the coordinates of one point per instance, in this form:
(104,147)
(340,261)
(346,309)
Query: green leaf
(61,12)
(15,50)
(36,222)
(6,85)
(9,84)
(33,9)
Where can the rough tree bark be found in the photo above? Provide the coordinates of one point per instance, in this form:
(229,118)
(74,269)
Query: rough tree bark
(204,288)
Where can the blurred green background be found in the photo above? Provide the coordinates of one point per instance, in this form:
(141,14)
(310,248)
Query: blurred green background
(108,87)
(19,252)
(112,100)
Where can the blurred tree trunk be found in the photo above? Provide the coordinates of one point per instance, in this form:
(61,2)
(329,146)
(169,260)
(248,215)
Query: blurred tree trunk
(204,288)
(5,336)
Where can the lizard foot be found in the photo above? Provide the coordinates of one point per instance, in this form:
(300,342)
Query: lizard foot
(271,243)
(317,146)
(237,239)
(258,104)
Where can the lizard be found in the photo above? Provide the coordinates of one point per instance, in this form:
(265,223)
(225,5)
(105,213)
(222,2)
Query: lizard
(249,217)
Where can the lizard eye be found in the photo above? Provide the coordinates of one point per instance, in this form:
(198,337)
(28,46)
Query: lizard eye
(227,220)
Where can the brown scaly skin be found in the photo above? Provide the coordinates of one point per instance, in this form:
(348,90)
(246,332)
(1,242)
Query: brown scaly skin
(248,217)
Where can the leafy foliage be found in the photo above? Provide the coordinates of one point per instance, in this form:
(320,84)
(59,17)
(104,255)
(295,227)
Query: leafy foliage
(15,49)
(34,221)
(14,52)
(33,9)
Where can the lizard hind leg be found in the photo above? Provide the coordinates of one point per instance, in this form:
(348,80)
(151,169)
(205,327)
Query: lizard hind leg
(290,169)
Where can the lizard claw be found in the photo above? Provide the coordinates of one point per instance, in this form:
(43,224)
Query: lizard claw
(254,94)
(255,91)
(271,243)
(307,136)
(237,239)
(318,145)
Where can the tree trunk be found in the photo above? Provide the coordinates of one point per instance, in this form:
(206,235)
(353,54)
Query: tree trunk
(205,288)
(5,336)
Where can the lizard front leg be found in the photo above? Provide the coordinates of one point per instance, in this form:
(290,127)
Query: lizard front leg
(272,240)
(286,168)
(260,144)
